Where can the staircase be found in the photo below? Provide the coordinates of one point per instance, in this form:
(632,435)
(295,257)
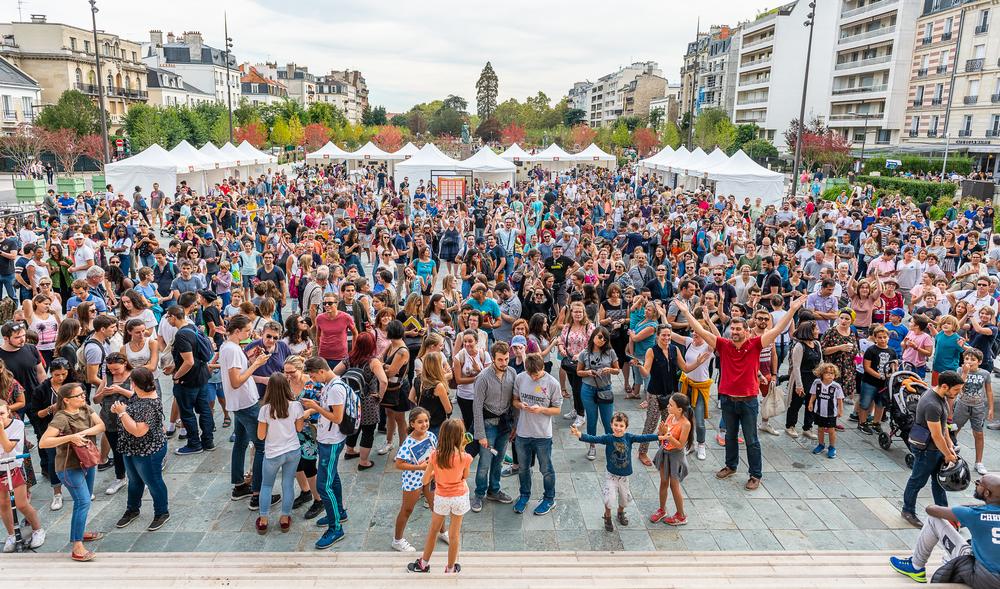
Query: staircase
(482,570)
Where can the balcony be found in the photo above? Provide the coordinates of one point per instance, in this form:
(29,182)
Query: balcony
(747,65)
(863,62)
(935,102)
(867,35)
(946,36)
(752,100)
(87,88)
(995,98)
(982,29)
(965,132)
(942,69)
(860,89)
(752,81)
(9,115)
(914,132)
(932,133)
(974,65)
(918,103)
(970,100)
(758,42)
(926,40)
(922,72)
(993,132)
(848,119)
(866,8)
(129,93)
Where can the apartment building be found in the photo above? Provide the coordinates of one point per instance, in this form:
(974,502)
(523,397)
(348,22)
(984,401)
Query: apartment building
(200,65)
(345,89)
(259,89)
(669,104)
(19,97)
(62,57)
(717,79)
(299,83)
(771,67)
(168,88)
(954,85)
(869,91)
(695,60)
(626,91)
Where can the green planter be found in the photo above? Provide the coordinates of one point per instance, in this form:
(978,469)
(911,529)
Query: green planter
(73,186)
(97,183)
(29,191)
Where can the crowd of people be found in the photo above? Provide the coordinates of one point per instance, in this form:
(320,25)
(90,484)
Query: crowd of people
(318,319)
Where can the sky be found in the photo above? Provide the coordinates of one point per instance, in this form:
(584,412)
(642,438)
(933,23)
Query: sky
(412,52)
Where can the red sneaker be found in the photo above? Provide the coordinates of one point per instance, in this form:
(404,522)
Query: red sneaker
(657,515)
(675,520)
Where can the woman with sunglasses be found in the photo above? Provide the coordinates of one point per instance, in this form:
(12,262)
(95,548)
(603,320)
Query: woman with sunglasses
(77,424)
(39,317)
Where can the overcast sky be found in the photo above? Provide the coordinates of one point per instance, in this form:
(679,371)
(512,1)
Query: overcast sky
(412,52)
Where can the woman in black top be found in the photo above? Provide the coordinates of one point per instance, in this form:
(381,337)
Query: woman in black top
(613,316)
(432,393)
(656,365)
(42,405)
(143,445)
(806,356)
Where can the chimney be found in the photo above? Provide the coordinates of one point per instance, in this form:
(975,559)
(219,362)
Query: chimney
(170,37)
(38,19)
(156,38)
(194,42)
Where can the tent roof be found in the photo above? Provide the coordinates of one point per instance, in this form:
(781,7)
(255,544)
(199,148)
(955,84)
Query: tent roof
(430,156)
(665,163)
(328,151)
(184,152)
(213,152)
(254,153)
(740,166)
(238,157)
(407,151)
(552,153)
(153,156)
(486,160)
(593,153)
(717,157)
(658,157)
(370,151)
(514,152)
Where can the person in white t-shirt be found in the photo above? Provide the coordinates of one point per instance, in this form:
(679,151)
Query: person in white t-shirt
(330,442)
(83,257)
(12,477)
(279,422)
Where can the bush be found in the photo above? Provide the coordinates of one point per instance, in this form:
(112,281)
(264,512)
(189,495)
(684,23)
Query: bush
(917,190)
(833,192)
(918,165)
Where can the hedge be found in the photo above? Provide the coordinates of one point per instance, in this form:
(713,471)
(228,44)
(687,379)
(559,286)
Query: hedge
(918,190)
(919,165)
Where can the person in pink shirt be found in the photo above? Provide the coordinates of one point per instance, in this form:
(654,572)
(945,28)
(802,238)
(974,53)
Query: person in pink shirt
(918,345)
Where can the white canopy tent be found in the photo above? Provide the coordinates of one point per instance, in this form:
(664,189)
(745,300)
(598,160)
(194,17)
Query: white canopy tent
(659,157)
(514,153)
(740,176)
(262,159)
(153,165)
(328,152)
(370,151)
(211,171)
(241,163)
(220,159)
(487,165)
(595,156)
(430,163)
(553,157)
(407,151)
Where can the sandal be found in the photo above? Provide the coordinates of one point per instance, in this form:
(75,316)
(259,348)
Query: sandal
(644,404)
(645,460)
(566,394)
(86,556)
(365,466)
(92,536)
(227,421)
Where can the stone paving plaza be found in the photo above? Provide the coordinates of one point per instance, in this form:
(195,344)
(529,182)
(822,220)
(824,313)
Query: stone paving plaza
(804,502)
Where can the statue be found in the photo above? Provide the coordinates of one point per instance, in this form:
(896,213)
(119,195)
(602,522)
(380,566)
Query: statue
(466,138)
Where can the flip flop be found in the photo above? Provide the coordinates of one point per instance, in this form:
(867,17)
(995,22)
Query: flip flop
(566,394)
(228,421)
(92,536)
(645,460)
(86,556)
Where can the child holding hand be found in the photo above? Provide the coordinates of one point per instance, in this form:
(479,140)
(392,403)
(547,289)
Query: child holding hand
(412,458)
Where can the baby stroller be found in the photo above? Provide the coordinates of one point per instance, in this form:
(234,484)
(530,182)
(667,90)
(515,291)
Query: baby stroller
(904,389)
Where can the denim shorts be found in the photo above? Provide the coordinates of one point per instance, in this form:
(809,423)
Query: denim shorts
(871,393)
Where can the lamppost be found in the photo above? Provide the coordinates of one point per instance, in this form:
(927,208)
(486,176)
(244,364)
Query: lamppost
(864,140)
(810,22)
(229,85)
(947,144)
(100,84)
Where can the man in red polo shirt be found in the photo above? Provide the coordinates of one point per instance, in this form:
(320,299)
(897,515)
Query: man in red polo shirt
(738,384)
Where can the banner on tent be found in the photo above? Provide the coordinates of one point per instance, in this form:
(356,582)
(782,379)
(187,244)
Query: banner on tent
(451,188)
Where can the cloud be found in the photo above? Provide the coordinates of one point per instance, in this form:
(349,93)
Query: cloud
(412,52)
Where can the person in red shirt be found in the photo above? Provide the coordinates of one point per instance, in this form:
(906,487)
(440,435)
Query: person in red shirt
(332,327)
(739,359)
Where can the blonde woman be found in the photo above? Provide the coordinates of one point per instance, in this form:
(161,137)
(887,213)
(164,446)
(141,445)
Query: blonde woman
(434,394)
(572,340)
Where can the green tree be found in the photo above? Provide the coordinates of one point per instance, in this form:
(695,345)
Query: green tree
(296,133)
(289,109)
(574,116)
(487,88)
(245,113)
(374,116)
(196,125)
(671,135)
(326,114)
(656,117)
(631,122)
(74,110)
(172,127)
(142,126)
(417,122)
(399,121)
(218,132)
(706,128)
(759,149)
(446,120)
(621,136)
(744,133)
(281,135)
(456,103)
(725,134)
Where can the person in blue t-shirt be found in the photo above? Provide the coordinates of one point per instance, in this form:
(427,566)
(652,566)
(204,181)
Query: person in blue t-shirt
(897,331)
(975,563)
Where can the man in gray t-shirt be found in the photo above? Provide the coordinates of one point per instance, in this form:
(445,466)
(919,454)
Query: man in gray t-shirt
(510,311)
(537,397)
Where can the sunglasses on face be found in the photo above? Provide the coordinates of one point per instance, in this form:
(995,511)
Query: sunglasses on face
(328,303)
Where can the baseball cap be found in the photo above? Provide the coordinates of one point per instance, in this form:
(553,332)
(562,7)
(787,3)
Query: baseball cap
(897,312)
(78,236)
(519,340)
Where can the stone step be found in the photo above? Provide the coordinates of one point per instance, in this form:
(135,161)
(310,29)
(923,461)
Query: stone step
(509,570)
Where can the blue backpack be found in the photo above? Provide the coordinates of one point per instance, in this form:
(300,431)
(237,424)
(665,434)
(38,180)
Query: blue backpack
(203,351)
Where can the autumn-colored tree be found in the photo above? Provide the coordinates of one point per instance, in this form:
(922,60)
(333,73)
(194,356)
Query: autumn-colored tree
(389,138)
(65,145)
(23,147)
(513,133)
(253,133)
(93,147)
(582,136)
(280,135)
(316,135)
(644,139)
(296,133)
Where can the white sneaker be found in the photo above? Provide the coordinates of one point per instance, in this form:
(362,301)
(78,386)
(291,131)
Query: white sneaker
(981,468)
(792,432)
(768,428)
(37,538)
(570,415)
(116,486)
(809,434)
(385,449)
(8,546)
(56,504)
(701,451)
(580,421)
(443,536)
(402,545)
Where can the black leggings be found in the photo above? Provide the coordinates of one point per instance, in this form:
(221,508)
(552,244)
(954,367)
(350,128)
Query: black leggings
(116,454)
(576,384)
(465,406)
(367,435)
(792,415)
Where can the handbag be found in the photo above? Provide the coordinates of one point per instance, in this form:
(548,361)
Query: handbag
(88,454)
(604,395)
(774,402)
(568,363)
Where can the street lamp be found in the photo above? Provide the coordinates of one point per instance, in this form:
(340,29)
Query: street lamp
(100,85)
(947,144)
(864,139)
(810,22)
(229,86)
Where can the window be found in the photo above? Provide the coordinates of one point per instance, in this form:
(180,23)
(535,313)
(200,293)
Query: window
(920,96)
(973,88)
(859,136)
(923,62)
(884,136)
(948,24)
(8,107)
(86,46)
(928,30)
(109,83)
(914,125)
(72,43)
(943,59)
(932,128)
(983,20)
(78,76)
(979,52)
(967,124)
(107,49)
(995,125)
(28,107)
(133,57)
(128,83)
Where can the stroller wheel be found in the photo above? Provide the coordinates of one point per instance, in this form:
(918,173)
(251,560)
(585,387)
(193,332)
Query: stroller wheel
(909,460)
(884,441)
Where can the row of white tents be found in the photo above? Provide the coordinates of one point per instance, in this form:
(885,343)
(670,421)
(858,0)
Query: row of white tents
(736,175)
(200,168)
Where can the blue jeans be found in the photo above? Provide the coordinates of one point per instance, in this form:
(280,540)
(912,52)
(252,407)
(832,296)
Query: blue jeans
(7,285)
(742,415)
(147,471)
(588,394)
(328,482)
(541,449)
(287,462)
(488,470)
(245,428)
(80,483)
(195,405)
(925,466)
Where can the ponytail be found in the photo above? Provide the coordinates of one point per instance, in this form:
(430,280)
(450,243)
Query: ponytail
(684,404)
